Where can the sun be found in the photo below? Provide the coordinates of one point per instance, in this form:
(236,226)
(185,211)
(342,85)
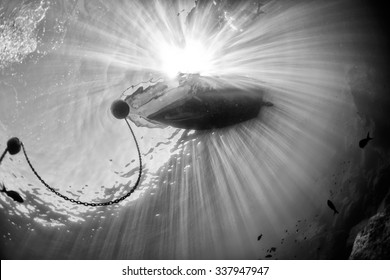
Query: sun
(193,58)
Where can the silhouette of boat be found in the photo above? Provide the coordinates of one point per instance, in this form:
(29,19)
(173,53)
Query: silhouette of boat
(197,103)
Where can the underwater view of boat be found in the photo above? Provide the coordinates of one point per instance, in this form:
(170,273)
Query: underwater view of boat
(197,103)
(194,130)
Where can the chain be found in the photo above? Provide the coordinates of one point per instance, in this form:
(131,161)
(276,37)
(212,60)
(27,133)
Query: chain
(91,203)
(3,155)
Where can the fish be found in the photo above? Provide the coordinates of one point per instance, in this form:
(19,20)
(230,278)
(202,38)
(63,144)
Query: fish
(273,249)
(259,237)
(268,256)
(331,206)
(12,194)
(364,142)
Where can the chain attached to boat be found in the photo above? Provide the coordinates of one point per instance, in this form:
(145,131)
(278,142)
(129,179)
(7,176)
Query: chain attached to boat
(14,145)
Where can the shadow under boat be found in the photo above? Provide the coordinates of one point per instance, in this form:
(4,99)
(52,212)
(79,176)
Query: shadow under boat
(203,105)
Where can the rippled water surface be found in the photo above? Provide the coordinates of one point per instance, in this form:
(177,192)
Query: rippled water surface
(203,194)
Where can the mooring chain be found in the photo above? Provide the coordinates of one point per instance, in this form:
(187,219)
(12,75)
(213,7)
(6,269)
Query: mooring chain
(14,147)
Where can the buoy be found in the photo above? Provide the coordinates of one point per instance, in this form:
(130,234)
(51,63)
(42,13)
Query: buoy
(120,109)
(13,145)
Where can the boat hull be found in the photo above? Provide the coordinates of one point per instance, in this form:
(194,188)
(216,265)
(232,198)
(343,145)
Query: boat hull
(209,109)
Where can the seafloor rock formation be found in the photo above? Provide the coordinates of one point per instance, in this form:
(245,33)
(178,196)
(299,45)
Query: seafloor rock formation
(371,99)
(373,242)
(362,229)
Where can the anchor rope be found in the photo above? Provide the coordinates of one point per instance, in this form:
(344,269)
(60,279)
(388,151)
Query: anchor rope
(91,203)
(3,155)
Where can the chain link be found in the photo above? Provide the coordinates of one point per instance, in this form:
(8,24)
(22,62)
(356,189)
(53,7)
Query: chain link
(94,204)
(3,155)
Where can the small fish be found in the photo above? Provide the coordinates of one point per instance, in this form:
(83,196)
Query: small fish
(364,142)
(273,249)
(259,237)
(14,195)
(331,206)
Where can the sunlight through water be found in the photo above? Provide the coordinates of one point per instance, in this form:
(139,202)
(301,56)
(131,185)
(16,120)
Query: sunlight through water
(204,194)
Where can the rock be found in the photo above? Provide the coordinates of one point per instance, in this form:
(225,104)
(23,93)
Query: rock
(354,232)
(387,204)
(373,242)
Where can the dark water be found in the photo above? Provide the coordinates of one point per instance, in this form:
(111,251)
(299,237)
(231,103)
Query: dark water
(203,194)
